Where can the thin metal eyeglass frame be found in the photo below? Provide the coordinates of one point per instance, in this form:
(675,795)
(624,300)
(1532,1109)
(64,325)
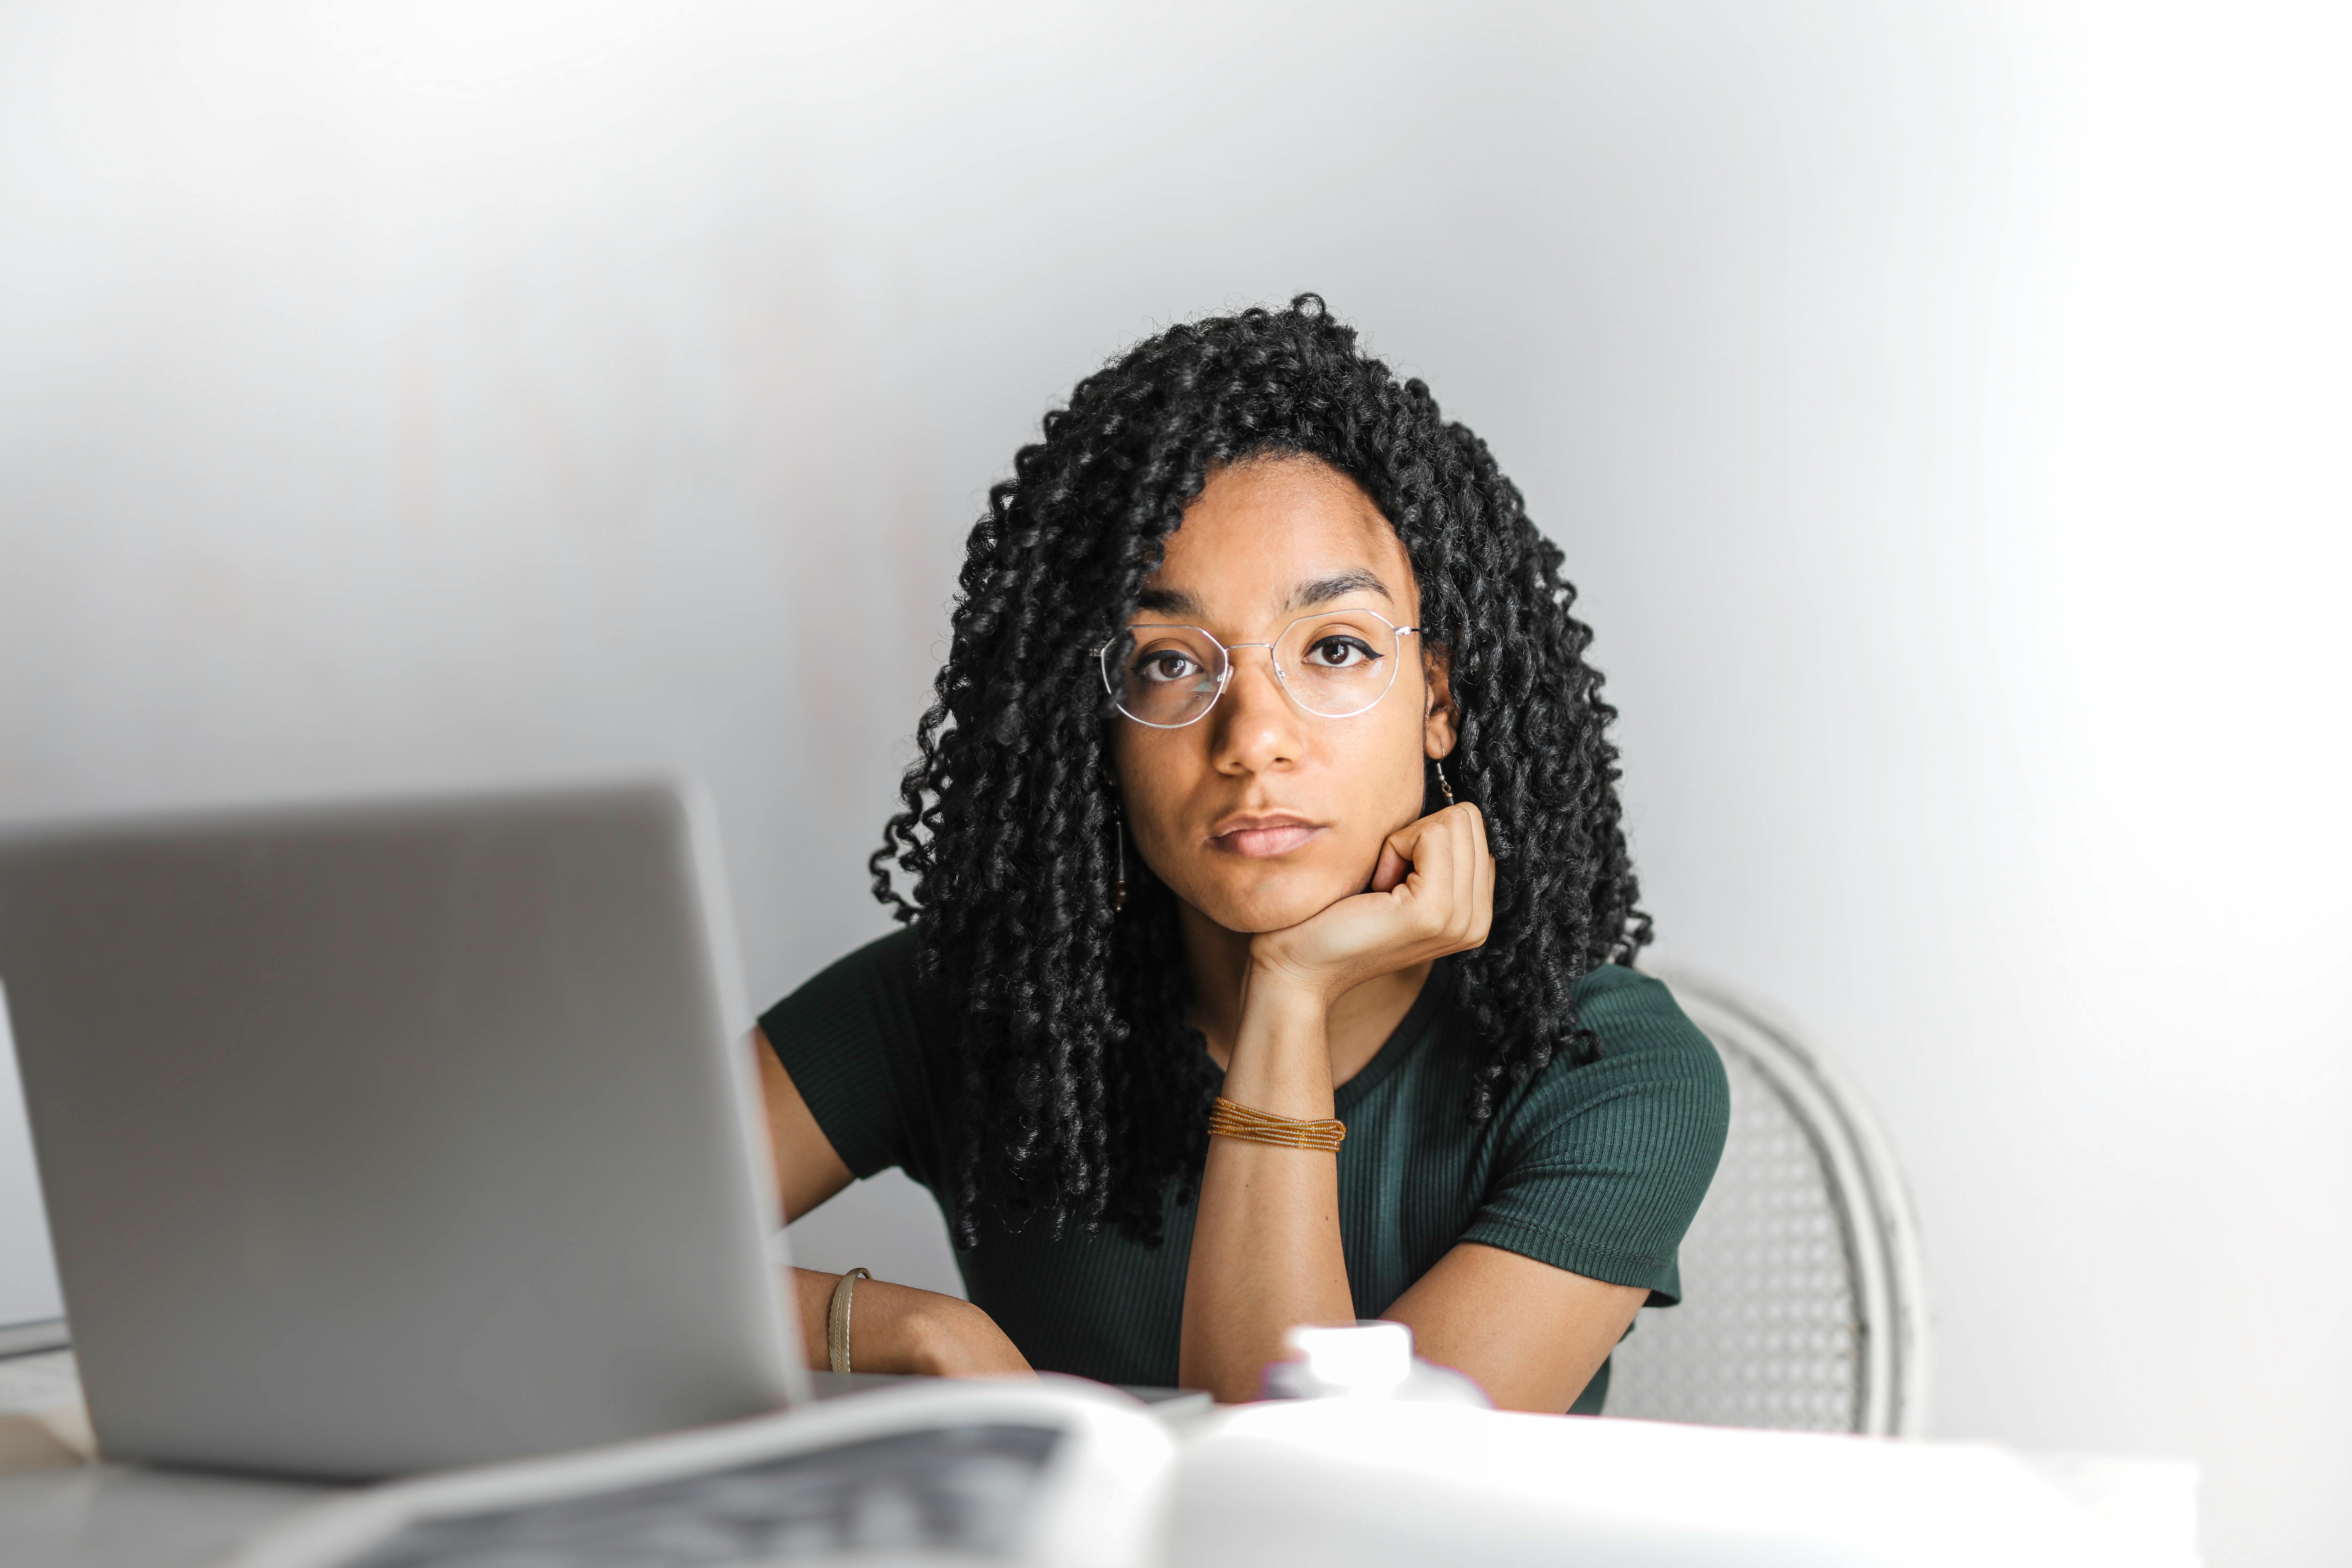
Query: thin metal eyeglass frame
(1226,674)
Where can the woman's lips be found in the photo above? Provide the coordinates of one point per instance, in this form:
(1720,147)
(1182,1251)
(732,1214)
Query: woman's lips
(1257,842)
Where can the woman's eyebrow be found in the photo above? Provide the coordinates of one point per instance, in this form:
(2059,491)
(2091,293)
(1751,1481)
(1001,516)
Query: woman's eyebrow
(1339,585)
(1168,602)
(1314,591)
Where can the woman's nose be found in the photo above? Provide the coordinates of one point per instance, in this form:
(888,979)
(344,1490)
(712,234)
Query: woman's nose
(1256,726)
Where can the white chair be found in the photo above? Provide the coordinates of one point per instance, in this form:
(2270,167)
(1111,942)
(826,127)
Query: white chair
(1804,1300)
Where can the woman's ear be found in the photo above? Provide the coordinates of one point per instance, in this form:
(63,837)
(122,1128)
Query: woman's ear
(1438,731)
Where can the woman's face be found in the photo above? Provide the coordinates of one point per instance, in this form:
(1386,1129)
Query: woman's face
(1262,814)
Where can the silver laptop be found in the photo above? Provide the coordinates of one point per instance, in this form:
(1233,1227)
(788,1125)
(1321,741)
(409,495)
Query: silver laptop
(384,1138)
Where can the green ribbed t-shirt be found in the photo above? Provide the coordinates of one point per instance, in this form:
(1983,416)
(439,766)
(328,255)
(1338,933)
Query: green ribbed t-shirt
(1594,1166)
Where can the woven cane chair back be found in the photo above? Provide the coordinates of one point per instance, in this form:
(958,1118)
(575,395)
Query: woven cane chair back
(1803,1297)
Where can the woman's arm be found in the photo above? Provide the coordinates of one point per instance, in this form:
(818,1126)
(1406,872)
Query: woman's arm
(1265,1244)
(807,1170)
(892,1328)
(1530,1334)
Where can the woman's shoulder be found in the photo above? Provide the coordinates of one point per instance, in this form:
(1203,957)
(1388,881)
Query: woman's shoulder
(859,980)
(1639,1046)
(869,1003)
(888,958)
(858,1038)
(1630,1012)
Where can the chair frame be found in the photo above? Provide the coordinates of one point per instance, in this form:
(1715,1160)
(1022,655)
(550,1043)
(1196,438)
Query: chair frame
(1866,1190)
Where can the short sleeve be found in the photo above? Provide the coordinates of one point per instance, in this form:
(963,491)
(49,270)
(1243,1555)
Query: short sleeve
(1601,1164)
(852,1043)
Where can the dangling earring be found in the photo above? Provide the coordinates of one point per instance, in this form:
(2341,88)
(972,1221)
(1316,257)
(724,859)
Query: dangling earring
(1440,766)
(1119,836)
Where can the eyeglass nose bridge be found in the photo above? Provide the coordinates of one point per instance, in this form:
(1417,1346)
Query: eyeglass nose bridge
(1225,675)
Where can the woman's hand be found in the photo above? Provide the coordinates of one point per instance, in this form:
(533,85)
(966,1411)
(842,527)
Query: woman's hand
(1433,894)
(897,1328)
(952,1338)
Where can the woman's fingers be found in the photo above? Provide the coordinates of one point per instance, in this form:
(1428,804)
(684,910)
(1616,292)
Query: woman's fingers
(1443,864)
(1465,875)
(1429,886)
(1472,905)
(1481,902)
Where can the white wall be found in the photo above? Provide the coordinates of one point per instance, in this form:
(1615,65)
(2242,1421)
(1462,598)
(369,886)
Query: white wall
(1942,407)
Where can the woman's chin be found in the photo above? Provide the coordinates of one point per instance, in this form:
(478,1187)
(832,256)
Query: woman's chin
(1263,908)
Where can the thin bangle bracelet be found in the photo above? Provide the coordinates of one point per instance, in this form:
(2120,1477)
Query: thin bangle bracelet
(837,1320)
(1229,1119)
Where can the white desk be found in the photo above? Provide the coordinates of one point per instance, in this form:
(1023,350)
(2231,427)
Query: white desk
(57,1512)
(1374,1485)
(121,1516)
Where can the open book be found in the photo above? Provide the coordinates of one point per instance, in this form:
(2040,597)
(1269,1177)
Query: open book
(1048,1471)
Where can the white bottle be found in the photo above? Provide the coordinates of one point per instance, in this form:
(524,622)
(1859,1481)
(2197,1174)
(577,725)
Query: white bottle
(1369,1359)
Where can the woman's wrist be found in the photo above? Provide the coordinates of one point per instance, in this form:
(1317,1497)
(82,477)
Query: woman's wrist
(1279,996)
(1281,1059)
(900,1329)
(891,1328)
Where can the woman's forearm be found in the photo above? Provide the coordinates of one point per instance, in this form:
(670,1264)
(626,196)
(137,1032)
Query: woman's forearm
(1265,1241)
(897,1328)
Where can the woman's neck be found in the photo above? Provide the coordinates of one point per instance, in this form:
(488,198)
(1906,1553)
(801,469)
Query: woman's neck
(1359,1022)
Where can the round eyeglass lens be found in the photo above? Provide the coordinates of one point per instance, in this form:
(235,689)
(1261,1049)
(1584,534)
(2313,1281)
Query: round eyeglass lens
(1337,663)
(1163,676)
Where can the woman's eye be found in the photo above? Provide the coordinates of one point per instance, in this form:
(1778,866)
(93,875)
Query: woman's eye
(1164,666)
(1338,653)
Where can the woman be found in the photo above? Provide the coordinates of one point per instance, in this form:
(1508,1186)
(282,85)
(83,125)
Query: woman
(1267,792)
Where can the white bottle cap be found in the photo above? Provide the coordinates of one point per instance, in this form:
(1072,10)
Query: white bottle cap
(1370,1359)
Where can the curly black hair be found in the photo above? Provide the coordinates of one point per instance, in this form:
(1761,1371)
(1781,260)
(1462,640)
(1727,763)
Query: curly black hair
(1085,1090)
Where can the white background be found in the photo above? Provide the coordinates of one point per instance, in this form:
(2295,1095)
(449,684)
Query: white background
(1943,409)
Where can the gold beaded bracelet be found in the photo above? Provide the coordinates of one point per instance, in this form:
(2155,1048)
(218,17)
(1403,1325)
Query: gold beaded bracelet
(1227,1120)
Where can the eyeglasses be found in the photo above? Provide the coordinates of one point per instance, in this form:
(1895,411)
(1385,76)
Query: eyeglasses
(1333,664)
